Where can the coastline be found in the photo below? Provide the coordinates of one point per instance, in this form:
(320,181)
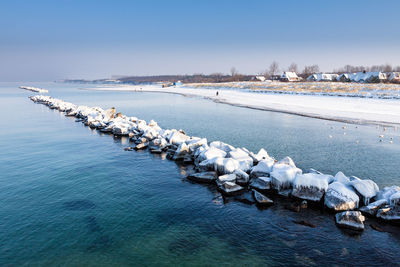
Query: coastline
(382,112)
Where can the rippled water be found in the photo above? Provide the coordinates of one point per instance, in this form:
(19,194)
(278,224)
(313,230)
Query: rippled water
(73,196)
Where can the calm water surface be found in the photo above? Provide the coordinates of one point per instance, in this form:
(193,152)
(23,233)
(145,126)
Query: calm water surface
(72,196)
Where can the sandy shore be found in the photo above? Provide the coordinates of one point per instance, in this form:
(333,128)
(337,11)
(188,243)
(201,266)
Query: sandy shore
(346,109)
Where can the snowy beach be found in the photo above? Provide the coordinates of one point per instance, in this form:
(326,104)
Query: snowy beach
(347,109)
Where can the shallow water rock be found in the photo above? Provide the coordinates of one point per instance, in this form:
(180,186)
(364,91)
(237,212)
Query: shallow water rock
(230,188)
(373,207)
(181,151)
(340,197)
(203,177)
(389,214)
(263,168)
(245,197)
(310,186)
(262,199)
(261,183)
(141,146)
(367,189)
(350,219)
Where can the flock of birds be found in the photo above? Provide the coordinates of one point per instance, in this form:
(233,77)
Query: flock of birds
(381,137)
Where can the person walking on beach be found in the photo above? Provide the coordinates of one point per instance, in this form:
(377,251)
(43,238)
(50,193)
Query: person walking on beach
(216,93)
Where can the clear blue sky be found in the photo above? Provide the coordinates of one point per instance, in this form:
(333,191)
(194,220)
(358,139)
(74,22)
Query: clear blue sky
(48,40)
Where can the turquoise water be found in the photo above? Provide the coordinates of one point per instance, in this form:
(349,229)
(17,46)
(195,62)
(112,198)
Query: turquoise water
(72,196)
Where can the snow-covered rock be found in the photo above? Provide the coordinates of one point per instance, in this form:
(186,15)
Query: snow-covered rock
(261,183)
(203,177)
(211,153)
(177,138)
(226,165)
(310,186)
(387,192)
(221,145)
(242,178)
(340,197)
(263,168)
(395,199)
(237,153)
(373,207)
(350,219)
(283,174)
(389,214)
(340,177)
(195,144)
(367,189)
(181,151)
(226,178)
(230,188)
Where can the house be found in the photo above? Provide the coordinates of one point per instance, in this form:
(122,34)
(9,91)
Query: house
(260,78)
(394,76)
(322,77)
(289,76)
(345,77)
(368,77)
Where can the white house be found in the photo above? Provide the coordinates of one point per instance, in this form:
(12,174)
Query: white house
(260,78)
(289,76)
(368,77)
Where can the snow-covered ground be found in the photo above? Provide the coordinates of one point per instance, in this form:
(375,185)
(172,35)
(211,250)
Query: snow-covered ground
(348,109)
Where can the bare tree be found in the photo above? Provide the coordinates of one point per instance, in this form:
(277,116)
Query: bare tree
(273,68)
(234,72)
(293,67)
(311,69)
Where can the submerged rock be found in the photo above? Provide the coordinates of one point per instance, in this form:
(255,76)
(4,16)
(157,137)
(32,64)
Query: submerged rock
(310,186)
(203,177)
(340,197)
(350,219)
(261,199)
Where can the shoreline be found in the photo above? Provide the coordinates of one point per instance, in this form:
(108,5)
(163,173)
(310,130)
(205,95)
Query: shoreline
(359,109)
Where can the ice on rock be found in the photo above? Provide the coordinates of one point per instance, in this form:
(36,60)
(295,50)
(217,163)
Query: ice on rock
(194,144)
(341,178)
(310,186)
(373,207)
(177,138)
(387,192)
(230,188)
(208,164)
(390,214)
(181,151)
(350,219)
(367,189)
(283,174)
(263,168)
(226,165)
(395,199)
(222,146)
(340,197)
(211,153)
(237,153)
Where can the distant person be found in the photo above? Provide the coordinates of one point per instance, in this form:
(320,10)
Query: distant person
(217,93)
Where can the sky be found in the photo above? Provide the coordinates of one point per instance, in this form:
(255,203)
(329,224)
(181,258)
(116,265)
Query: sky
(91,39)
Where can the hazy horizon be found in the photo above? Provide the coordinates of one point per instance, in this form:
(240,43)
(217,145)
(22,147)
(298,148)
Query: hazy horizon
(48,40)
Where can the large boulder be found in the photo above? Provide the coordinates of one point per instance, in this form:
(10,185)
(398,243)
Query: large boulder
(177,138)
(203,177)
(225,165)
(395,199)
(310,186)
(181,151)
(208,164)
(237,153)
(340,177)
(226,178)
(283,174)
(367,189)
(340,197)
(373,207)
(350,219)
(194,144)
(263,168)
